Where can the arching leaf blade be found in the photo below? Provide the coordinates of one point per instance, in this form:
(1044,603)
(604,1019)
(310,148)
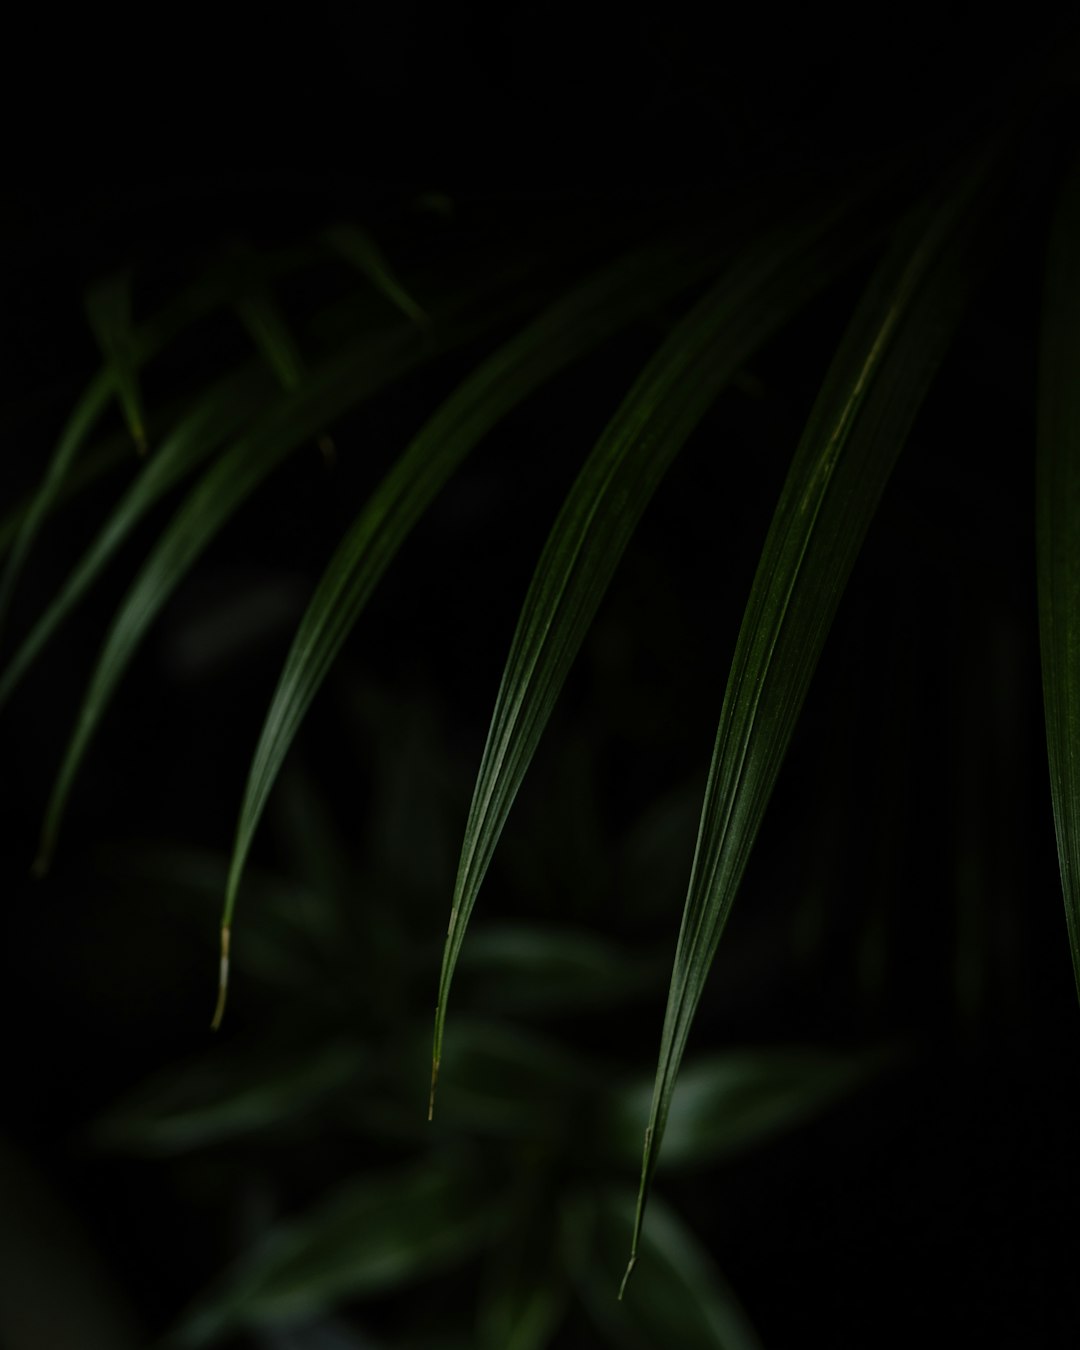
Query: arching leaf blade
(562,334)
(1058,539)
(883,368)
(215,416)
(144,343)
(767,283)
(83,418)
(358,372)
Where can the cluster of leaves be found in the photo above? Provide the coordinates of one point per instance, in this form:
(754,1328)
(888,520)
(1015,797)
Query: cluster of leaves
(723,285)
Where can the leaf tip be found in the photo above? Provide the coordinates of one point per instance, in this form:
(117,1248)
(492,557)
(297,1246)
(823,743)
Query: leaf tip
(223,980)
(626,1275)
(431,1094)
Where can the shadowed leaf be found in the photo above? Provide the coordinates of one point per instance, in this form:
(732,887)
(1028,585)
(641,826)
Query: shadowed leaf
(139,347)
(213,418)
(358,372)
(92,403)
(769,281)
(735,1101)
(222,1097)
(375,1234)
(879,376)
(566,331)
(681,1298)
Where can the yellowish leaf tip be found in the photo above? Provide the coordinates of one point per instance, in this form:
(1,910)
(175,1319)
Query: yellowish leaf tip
(629,1267)
(223,979)
(431,1095)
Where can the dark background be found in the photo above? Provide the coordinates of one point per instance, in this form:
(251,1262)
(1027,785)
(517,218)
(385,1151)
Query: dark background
(937,1204)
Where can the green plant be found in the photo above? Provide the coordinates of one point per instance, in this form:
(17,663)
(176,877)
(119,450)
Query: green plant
(695,297)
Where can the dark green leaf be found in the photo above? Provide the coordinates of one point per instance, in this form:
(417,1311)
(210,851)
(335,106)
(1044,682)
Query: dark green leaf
(523,968)
(567,330)
(1058,528)
(509,1083)
(735,1101)
(376,1234)
(92,403)
(352,375)
(138,348)
(767,283)
(879,376)
(681,1298)
(221,1096)
(214,417)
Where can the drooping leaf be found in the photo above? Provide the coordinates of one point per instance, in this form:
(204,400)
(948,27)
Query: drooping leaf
(108,307)
(342,382)
(221,1097)
(376,1234)
(214,417)
(567,330)
(1058,535)
(142,345)
(357,247)
(681,1298)
(767,283)
(883,368)
(737,1100)
(84,416)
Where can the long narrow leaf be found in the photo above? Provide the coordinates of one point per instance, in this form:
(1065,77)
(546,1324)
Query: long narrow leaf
(682,1299)
(771,280)
(878,378)
(107,455)
(214,417)
(84,416)
(1058,529)
(353,375)
(565,332)
(198,299)
(374,1235)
